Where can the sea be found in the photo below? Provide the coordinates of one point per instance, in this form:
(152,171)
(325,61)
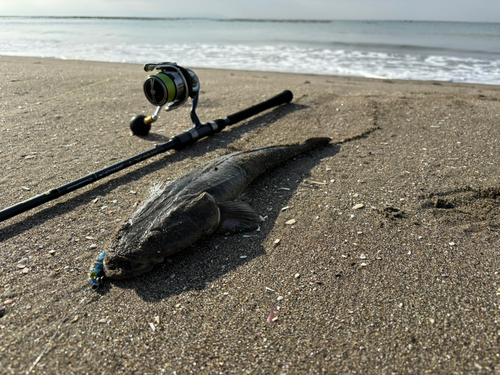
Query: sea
(434,51)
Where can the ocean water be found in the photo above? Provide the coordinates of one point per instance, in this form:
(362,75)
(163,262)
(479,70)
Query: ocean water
(441,51)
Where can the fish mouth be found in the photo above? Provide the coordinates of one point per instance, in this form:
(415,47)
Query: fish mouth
(121,269)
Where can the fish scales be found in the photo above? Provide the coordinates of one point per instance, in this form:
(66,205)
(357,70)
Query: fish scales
(199,203)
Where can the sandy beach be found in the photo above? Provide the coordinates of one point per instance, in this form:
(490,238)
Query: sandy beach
(391,265)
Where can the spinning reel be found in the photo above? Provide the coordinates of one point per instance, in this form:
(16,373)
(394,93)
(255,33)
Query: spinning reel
(171,86)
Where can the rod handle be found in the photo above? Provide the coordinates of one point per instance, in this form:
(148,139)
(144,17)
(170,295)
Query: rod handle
(285,97)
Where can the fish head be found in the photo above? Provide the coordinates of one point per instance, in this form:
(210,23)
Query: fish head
(156,233)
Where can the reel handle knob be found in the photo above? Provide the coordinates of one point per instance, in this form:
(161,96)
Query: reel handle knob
(140,125)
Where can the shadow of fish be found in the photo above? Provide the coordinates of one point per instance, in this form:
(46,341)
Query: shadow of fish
(199,203)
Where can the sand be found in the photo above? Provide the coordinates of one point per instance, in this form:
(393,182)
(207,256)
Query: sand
(391,265)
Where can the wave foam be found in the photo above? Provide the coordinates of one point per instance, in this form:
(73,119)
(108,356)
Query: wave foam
(276,58)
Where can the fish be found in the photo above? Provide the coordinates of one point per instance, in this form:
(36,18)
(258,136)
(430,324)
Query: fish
(178,213)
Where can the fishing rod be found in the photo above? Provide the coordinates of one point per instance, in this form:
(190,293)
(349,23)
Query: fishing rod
(170,87)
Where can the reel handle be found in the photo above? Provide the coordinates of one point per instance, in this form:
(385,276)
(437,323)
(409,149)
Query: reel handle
(285,97)
(139,125)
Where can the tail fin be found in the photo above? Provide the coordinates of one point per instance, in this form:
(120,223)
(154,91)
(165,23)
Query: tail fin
(317,142)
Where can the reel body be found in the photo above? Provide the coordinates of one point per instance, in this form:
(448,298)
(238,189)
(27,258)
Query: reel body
(170,87)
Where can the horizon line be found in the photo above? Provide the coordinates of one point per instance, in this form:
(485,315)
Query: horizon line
(228,19)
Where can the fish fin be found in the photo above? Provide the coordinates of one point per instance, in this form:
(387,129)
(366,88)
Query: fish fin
(237,217)
(157,188)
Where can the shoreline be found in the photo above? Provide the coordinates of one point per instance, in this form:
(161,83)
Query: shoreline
(387,80)
(261,71)
(401,283)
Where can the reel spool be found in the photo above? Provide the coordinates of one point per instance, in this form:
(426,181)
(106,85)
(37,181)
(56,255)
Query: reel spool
(171,86)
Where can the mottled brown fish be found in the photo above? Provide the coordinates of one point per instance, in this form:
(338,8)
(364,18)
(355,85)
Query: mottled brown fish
(199,203)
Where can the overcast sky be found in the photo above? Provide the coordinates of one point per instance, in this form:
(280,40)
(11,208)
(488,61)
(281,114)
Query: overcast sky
(434,10)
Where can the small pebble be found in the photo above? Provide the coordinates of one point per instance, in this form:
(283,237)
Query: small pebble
(362,256)
(280,298)
(102,321)
(452,244)
(25,270)
(153,328)
(8,301)
(157,319)
(243,256)
(276,242)
(358,206)
(291,222)
(364,264)
(21,265)
(75,319)
(297,275)
(93,246)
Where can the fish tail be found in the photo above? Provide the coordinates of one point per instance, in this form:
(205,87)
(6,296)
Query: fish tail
(312,143)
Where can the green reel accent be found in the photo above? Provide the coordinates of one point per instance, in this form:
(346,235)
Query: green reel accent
(170,84)
(161,89)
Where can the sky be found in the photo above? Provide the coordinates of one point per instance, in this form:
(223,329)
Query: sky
(422,10)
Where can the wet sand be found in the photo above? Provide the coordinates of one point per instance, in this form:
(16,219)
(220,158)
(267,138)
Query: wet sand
(391,265)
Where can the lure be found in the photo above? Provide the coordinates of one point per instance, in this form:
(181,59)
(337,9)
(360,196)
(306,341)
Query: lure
(96,273)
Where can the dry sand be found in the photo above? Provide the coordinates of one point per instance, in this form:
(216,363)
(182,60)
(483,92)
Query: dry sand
(406,284)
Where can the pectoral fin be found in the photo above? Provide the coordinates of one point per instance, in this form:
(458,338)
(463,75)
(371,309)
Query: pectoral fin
(237,217)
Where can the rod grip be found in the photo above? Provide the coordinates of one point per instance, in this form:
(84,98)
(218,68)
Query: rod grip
(285,97)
